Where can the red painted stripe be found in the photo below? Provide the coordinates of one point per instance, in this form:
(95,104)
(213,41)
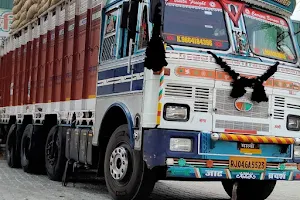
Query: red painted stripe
(260,140)
(240,138)
(250,139)
(241,131)
(229,137)
(289,141)
(269,139)
(278,140)
(158,113)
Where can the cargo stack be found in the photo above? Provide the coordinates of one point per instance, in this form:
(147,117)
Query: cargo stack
(26,10)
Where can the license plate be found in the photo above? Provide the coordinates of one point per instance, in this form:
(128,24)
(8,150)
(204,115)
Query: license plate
(246,163)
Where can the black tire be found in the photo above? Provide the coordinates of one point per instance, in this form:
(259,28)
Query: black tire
(28,152)
(261,189)
(137,182)
(12,156)
(55,161)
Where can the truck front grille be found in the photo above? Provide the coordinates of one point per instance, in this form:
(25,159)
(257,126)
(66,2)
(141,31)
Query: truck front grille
(225,106)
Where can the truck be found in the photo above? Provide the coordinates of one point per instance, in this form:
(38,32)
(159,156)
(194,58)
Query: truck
(145,90)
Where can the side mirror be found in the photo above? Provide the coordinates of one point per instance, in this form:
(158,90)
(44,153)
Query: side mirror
(156,8)
(132,18)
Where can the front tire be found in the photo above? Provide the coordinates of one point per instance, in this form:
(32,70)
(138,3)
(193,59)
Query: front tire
(55,159)
(261,189)
(126,175)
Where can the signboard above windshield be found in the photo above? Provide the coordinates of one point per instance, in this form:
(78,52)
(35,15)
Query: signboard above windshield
(285,7)
(262,16)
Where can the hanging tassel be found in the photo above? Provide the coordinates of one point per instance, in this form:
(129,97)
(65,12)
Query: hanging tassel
(155,52)
(259,93)
(240,83)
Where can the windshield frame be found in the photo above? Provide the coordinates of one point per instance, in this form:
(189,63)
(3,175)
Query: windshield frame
(186,45)
(289,32)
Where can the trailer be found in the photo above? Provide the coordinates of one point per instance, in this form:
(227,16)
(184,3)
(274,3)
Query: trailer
(141,91)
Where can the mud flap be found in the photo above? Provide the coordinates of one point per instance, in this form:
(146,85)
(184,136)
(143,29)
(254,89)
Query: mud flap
(234,191)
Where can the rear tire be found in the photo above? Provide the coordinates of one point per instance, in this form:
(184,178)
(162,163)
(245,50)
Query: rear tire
(55,159)
(260,189)
(12,156)
(28,151)
(126,175)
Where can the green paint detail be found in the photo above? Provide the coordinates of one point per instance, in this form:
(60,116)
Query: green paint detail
(247,106)
(161,78)
(160,92)
(242,170)
(183,171)
(181,162)
(282,167)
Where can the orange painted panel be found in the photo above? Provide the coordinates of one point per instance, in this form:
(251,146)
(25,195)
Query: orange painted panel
(2,76)
(93,53)
(41,69)
(12,77)
(79,56)
(9,78)
(58,57)
(17,77)
(49,66)
(28,68)
(22,75)
(68,60)
(34,70)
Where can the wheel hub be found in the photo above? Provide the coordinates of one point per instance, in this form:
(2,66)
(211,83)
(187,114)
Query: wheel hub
(118,163)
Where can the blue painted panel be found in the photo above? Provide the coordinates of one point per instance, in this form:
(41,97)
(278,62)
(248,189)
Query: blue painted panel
(106,74)
(138,68)
(137,85)
(106,89)
(121,71)
(224,147)
(156,147)
(121,87)
(220,172)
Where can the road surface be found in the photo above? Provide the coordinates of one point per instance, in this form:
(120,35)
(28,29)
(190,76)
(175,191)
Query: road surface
(17,185)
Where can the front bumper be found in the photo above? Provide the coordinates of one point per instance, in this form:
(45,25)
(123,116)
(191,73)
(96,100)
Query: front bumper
(208,160)
(288,172)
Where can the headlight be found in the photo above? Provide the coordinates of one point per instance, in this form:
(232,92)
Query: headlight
(176,112)
(293,123)
(296,151)
(181,144)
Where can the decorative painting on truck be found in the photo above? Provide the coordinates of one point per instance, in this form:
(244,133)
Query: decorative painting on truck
(6,18)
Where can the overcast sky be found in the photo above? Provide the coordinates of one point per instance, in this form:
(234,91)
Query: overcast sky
(296,15)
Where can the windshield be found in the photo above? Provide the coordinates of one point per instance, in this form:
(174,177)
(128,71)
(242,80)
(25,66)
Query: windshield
(195,23)
(269,35)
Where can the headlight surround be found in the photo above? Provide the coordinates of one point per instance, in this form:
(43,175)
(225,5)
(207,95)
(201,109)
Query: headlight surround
(293,123)
(176,112)
(296,151)
(181,144)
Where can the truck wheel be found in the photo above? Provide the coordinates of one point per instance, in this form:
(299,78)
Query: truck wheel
(262,189)
(12,157)
(28,152)
(55,153)
(126,175)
